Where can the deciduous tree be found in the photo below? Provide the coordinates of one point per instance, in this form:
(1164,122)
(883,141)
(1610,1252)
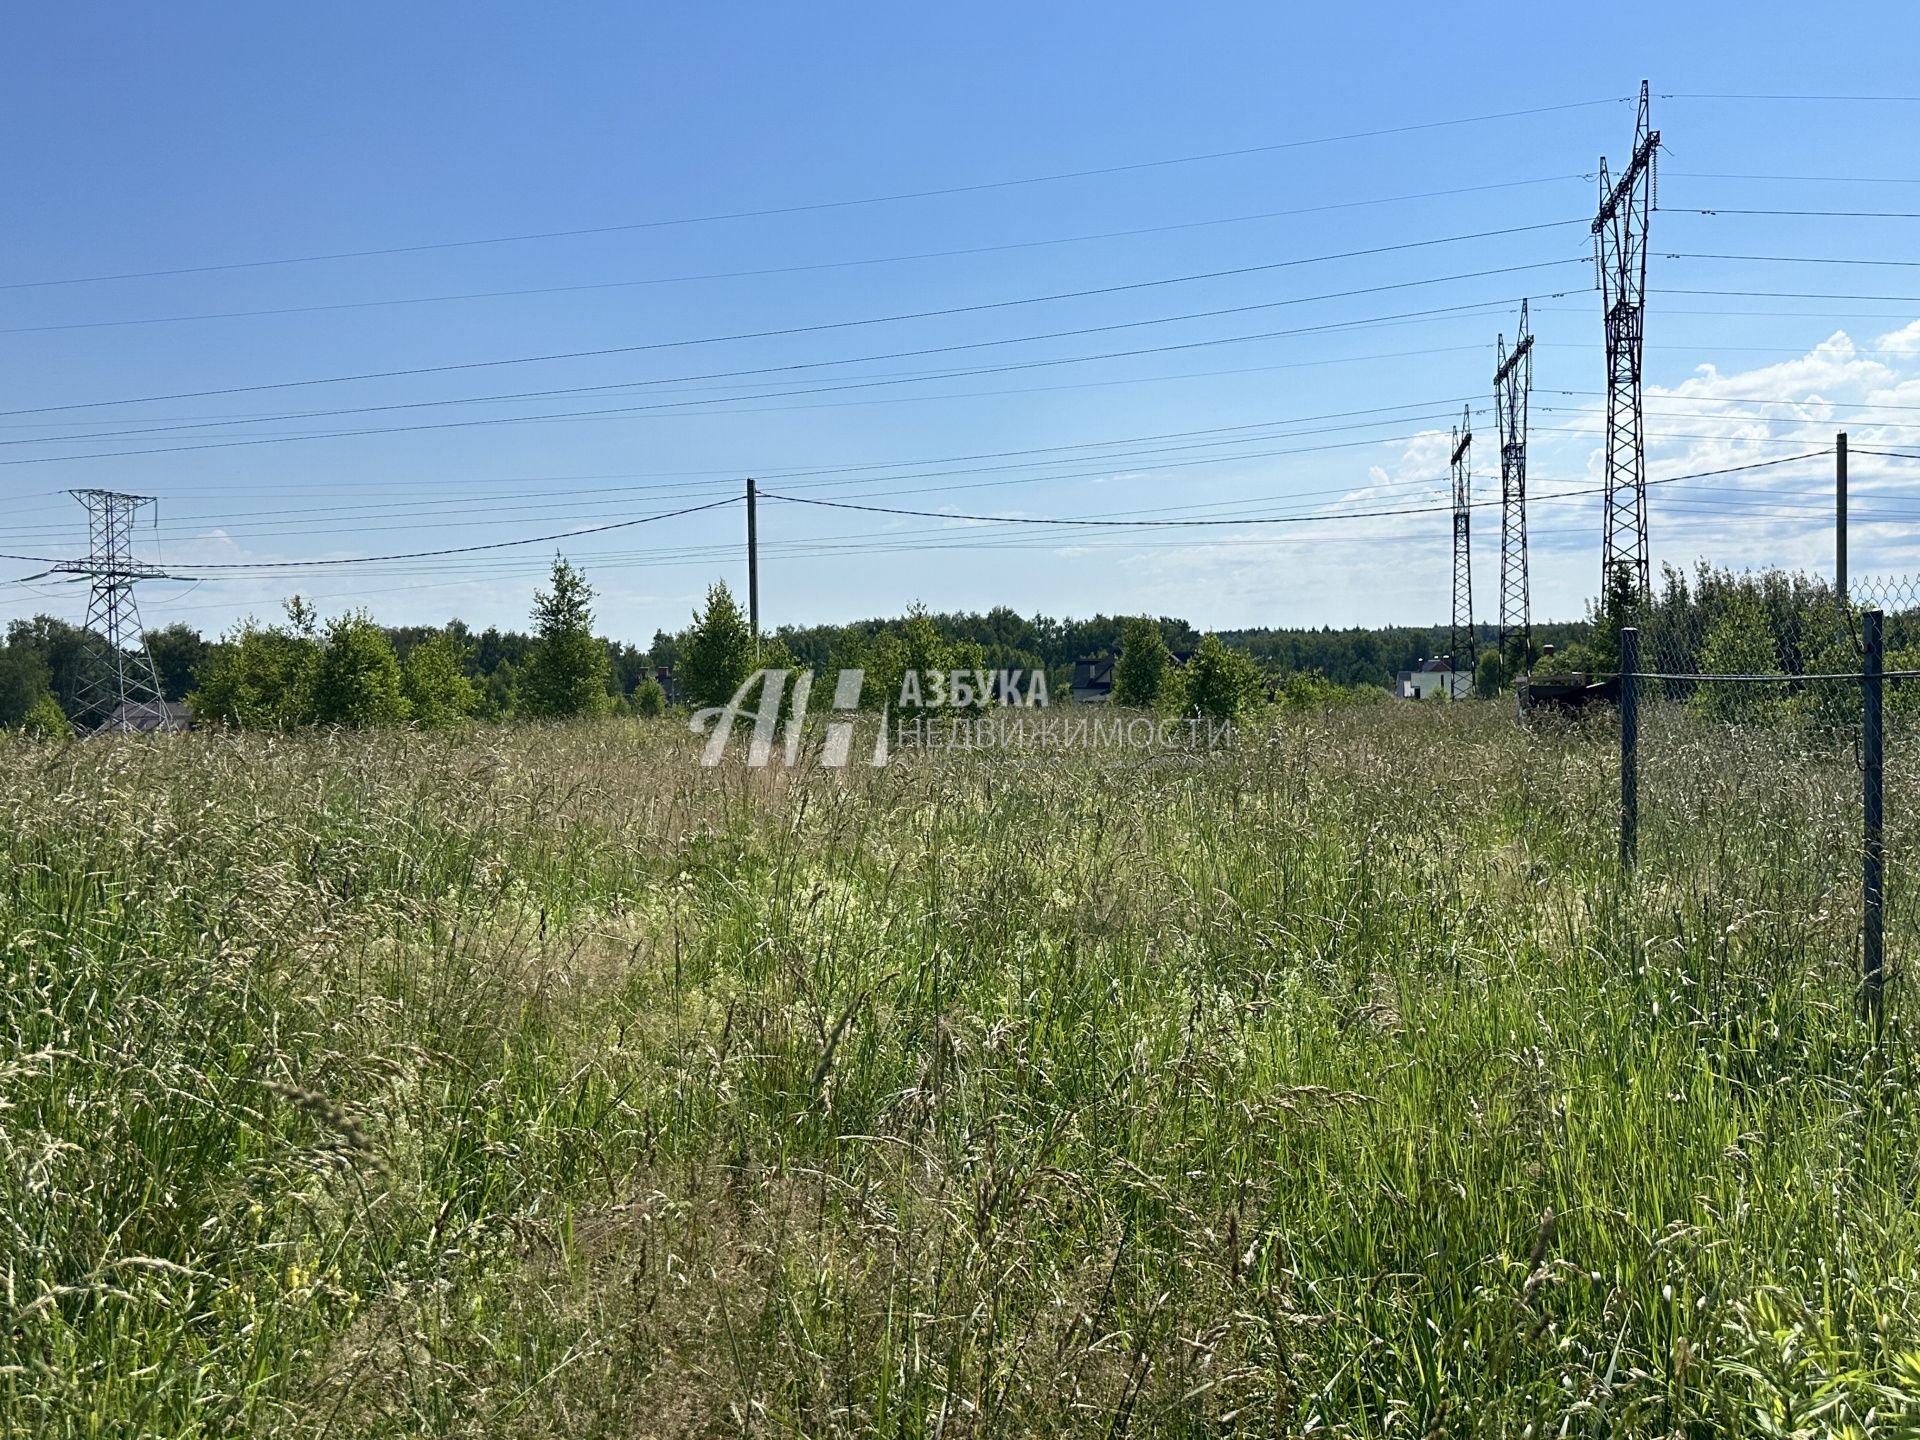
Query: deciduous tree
(436,687)
(356,680)
(1220,682)
(1140,674)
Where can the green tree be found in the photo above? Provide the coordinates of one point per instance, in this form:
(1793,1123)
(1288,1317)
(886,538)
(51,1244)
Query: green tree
(437,690)
(70,654)
(1740,642)
(1140,674)
(1901,698)
(24,678)
(970,656)
(665,650)
(566,675)
(717,655)
(924,654)
(260,677)
(1220,682)
(884,658)
(1620,605)
(1490,674)
(649,700)
(178,653)
(302,618)
(356,680)
(497,691)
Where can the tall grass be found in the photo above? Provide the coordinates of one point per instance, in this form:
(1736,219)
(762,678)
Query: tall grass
(538,1082)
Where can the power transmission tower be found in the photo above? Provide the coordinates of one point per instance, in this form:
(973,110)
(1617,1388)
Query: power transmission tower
(1461,636)
(1512,382)
(1620,253)
(118,687)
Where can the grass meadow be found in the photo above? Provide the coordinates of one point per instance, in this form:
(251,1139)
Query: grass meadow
(537,1082)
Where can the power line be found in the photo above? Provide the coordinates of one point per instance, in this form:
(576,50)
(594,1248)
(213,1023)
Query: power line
(844,467)
(788,331)
(1811,214)
(729,397)
(1863,99)
(1784,259)
(1100,454)
(272,567)
(1791,295)
(848,385)
(1181,376)
(1251,520)
(819,205)
(1098,466)
(428,554)
(1820,179)
(1101,471)
(770,270)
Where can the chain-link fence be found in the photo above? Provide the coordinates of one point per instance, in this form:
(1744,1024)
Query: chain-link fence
(1768,741)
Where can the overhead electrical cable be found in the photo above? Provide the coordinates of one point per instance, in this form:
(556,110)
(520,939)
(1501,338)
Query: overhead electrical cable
(822,389)
(819,205)
(427,554)
(744,274)
(1246,520)
(785,332)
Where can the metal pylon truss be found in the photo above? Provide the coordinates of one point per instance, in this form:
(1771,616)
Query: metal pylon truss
(1620,253)
(1460,637)
(118,687)
(1512,383)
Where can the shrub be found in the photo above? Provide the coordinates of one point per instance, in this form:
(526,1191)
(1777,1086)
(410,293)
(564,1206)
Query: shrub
(44,719)
(1310,690)
(649,701)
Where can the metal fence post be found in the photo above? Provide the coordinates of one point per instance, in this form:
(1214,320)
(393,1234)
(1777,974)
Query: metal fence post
(1873,858)
(1629,747)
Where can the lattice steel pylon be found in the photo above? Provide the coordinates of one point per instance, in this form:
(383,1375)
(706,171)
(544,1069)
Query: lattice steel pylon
(1460,637)
(1512,383)
(1620,253)
(119,687)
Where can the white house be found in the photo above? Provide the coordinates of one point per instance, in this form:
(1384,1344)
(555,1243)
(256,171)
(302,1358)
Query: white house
(1435,677)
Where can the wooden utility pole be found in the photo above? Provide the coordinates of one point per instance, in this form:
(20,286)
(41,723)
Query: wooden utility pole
(753,569)
(1840,515)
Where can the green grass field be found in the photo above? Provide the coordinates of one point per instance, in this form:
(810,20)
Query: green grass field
(540,1083)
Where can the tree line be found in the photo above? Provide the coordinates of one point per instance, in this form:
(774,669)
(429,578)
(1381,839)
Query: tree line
(301,669)
(348,670)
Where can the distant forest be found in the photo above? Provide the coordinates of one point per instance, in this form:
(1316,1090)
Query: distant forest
(1355,656)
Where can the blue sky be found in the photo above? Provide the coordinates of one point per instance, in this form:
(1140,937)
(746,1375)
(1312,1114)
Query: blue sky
(150,139)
